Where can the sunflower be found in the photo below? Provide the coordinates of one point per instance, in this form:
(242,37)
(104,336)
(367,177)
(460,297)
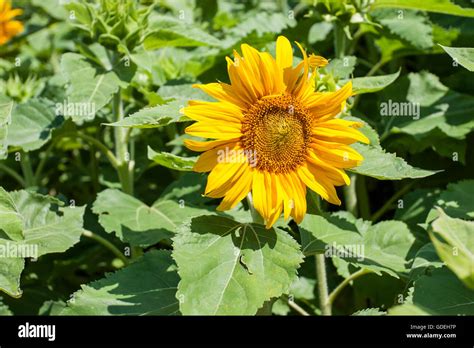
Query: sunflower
(8,27)
(272,134)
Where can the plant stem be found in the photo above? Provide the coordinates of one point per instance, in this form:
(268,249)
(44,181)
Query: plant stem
(91,140)
(27,170)
(106,244)
(339,39)
(297,308)
(125,166)
(322,284)
(379,213)
(13,174)
(346,281)
(363,197)
(350,195)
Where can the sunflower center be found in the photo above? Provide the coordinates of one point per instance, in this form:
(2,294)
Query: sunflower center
(276,131)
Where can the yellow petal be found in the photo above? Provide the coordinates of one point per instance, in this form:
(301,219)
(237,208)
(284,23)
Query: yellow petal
(223,92)
(218,130)
(238,191)
(284,53)
(200,146)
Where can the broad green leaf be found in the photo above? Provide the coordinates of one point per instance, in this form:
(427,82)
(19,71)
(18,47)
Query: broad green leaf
(425,260)
(171,161)
(386,166)
(32,124)
(5,120)
(52,7)
(38,226)
(137,223)
(262,24)
(421,103)
(11,222)
(462,55)
(229,268)
(381,247)
(440,293)
(441,6)
(407,309)
(454,242)
(370,311)
(415,206)
(154,117)
(361,85)
(457,200)
(412,26)
(188,188)
(4,310)
(170,32)
(146,287)
(341,68)
(319,32)
(90,87)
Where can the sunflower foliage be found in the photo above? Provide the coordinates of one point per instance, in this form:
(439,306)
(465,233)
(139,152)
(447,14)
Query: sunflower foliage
(113,199)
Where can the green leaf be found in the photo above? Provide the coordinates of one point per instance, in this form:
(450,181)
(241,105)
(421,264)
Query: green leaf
(5,120)
(4,310)
(261,24)
(412,26)
(361,85)
(170,32)
(171,161)
(154,117)
(381,247)
(370,311)
(440,293)
(341,68)
(146,287)
(386,166)
(319,32)
(440,6)
(228,268)
(32,124)
(462,55)
(454,242)
(457,200)
(424,262)
(439,107)
(188,188)
(137,223)
(90,88)
(33,225)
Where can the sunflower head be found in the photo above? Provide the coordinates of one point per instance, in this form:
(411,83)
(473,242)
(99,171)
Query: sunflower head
(272,135)
(9,27)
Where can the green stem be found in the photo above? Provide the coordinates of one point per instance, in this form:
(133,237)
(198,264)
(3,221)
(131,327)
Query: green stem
(379,213)
(13,174)
(363,197)
(295,306)
(91,140)
(106,244)
(322,284)
(350,196)
(27,170)
(125,165)
(339,39)
(343,284)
